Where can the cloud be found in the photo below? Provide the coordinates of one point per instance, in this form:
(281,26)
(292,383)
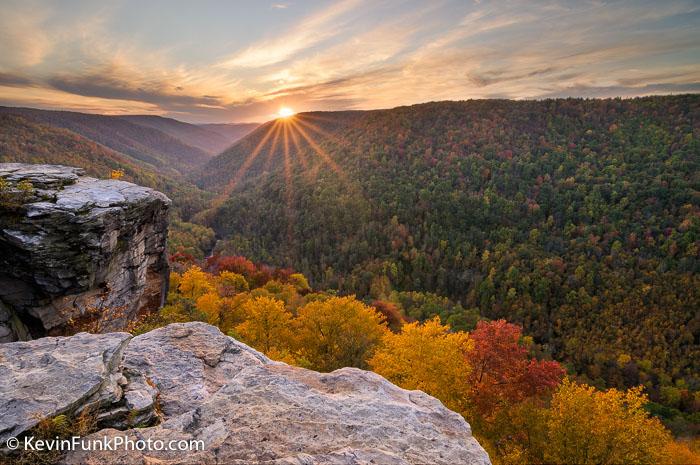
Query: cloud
(311,31)
(104,84)
(23,37)
(15,80)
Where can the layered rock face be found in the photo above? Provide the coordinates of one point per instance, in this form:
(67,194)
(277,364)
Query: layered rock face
(191,382)
(77,249)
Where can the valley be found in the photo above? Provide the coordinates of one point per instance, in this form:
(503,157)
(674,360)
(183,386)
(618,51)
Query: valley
(576,220)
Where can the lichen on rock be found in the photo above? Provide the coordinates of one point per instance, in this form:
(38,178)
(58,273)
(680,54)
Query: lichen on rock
(78,248)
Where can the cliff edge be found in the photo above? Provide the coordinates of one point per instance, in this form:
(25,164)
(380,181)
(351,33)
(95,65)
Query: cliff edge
(188,381)
(75,250)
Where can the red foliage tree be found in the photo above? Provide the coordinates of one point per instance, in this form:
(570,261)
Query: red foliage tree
(235,264)
(502,372)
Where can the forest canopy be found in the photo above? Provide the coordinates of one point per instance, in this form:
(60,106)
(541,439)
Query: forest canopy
(577,219)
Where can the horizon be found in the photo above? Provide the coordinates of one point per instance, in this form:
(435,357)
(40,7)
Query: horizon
(274,117)
(243,62)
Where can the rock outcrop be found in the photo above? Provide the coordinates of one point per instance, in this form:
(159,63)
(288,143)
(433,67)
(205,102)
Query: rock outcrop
(191,382)
(75,249)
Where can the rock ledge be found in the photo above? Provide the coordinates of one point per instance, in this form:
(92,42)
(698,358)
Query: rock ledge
(246,408)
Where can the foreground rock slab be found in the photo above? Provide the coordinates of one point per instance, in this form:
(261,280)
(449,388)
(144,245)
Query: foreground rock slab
(247,409)
(77,250)
(54,376)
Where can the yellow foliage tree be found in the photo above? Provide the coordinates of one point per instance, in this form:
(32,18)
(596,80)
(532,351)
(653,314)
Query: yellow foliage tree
(427,357)
(210,305)
(231,284)
(338,332)
(175,279)
(682,453)
(267,325)
(284,292)
(232,313)
(300,282)
(596,427)
(195,283)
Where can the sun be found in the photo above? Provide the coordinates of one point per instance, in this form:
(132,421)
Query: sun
(285,112)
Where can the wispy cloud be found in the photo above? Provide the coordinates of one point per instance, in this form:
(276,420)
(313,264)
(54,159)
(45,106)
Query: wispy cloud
(311,31)
(23,38)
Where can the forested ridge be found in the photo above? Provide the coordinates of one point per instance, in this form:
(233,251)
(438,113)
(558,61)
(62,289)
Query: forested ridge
(578,219)
(26,141)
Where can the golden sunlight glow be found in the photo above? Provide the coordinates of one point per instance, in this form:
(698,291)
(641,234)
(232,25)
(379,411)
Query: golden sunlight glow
(285,112)
(297,138)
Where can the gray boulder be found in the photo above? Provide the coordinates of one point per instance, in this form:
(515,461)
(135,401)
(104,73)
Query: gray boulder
(76,250)
(245,408)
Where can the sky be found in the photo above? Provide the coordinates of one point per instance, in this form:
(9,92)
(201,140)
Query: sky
(241,61)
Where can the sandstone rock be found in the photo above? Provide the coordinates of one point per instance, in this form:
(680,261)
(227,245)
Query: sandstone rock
(78,249)
(248,409)
(57,375)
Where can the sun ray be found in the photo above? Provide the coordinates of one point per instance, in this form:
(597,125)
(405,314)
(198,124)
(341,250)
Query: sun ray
(314,127)
(288,186)
(338,139)
(297,150)
(317,117)
(221,198)
(321,153)
(271,152)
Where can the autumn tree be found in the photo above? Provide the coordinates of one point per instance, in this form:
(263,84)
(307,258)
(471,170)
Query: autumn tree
(428,357)
(391,312)
(502,372)
(210,304)
(232,312)
(300,282)
(231,283)
(338,332)
(267,325)
(596,427)
(195,283)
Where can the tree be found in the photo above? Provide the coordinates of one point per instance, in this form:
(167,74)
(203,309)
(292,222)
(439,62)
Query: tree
(338,332)
(300,282)
(589,426)
(210,305)
(427,357)
(231,283)
(391,312)
(502,373)
(267,325)
(195,283)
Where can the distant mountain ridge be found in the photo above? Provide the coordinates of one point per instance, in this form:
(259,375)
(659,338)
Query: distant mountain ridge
(27,140)
(231,131)
(212,138)
(170,146)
